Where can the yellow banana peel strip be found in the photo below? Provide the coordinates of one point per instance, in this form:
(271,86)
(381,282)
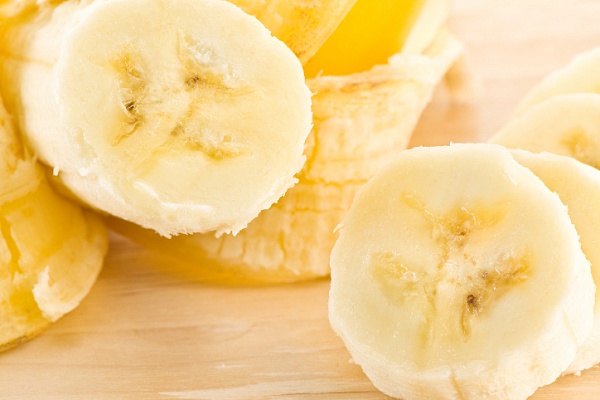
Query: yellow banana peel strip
(360,120)
(313,21)
(51,251)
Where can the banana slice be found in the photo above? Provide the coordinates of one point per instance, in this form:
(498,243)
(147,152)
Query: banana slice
(578,186)
(189,117)
(566,125)
(50,250)
(360,121)
(303,25)
(579,76)
(441,275)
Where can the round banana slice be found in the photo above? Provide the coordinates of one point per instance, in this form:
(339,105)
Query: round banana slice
(354,134)
(566,125)
(578,186)
(458,275)
(50,250)
(579,76)
(188,117)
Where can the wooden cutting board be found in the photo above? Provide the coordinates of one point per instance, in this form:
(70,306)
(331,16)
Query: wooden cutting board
(149,331)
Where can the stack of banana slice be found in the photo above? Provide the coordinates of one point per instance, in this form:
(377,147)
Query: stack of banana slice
(470,271)
(560,116)
(361,118)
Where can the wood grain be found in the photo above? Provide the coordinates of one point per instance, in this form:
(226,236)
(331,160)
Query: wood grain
(151,331)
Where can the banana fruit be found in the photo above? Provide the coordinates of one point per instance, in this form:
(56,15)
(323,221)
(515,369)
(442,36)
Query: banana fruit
(562,124)
(565,124)
(578,186)
(578,76)
(360,121)
(189,117)
(440,277)
(50,250)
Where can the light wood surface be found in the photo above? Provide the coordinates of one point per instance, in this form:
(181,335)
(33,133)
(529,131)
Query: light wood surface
(150,332)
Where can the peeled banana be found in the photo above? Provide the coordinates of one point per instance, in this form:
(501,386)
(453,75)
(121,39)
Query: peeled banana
(188,117)
(578,186)
(50,250)
(360,121)
(564,124)
(441,274)
(579,76)
(560,115)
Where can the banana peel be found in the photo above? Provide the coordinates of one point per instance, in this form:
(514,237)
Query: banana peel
(313,21)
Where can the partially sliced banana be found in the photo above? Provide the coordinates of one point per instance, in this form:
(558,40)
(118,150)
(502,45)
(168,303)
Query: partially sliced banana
(360,121)
(578,76)
(179,115)
(50,250)
(578,186)
(458,275)
(564,124)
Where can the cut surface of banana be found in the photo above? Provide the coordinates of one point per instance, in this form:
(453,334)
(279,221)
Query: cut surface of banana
(578,76)
(578,186)
(189,117)
(564,124)
(441,278)
(360,121)
(50,250)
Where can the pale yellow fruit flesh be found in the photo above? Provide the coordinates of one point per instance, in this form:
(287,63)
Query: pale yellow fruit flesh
(578,186)
(51,251)
(442,257)
(174,126)
(578,76)
(565,124)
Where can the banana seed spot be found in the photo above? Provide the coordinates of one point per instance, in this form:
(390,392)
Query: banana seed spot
(132,89)
(192,82)
(583,147)
(472,304)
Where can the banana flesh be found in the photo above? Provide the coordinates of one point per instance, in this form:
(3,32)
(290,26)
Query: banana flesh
(578,186)
(440,277)
(188,118)
(360,121)
(564,124)
(563,132)
(578,76)
(47,266)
